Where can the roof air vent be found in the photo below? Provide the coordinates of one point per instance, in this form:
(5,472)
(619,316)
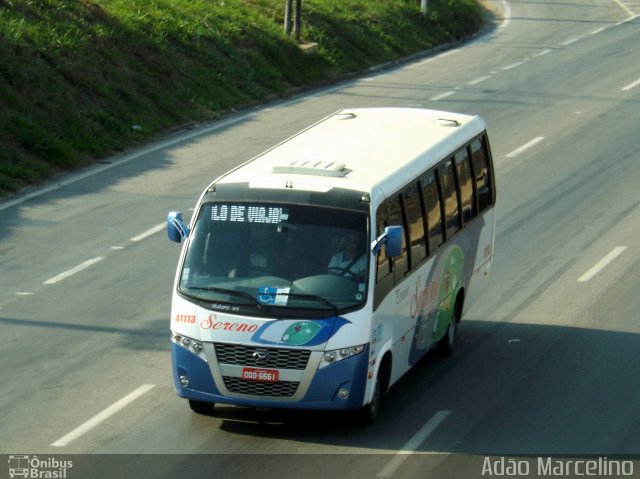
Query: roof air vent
(319,168)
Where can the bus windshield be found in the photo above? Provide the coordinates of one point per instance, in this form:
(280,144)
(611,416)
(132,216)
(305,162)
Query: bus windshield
(277,258)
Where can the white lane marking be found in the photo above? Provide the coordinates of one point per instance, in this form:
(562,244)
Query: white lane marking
(413,443)
(525,147)
(512,66)
(625,8)
(569,42)
(102,416)
(73,271)
(431,59)
(442,95)
(479,80)
(599,30)
(617,251)
(543,52)
(631,85)
(149,232)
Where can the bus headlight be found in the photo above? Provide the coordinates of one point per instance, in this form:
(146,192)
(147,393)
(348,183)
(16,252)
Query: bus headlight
(192,345)
(331,357)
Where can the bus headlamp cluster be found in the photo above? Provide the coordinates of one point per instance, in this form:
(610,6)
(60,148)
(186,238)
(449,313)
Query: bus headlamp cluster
(333,356)
(193,345)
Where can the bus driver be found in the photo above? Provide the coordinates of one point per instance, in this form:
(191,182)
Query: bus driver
(351,262)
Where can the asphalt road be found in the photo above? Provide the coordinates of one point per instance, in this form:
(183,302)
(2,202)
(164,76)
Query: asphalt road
(548,359)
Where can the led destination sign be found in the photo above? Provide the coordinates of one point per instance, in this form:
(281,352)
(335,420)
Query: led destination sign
(249,214)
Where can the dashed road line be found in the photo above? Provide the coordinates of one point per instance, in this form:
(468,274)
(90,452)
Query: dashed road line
(412,444)
(72,271)
(542,53)
(603,263)
(102,416)
(631,85)
(478,80)
(569,42)
(628,11)
(442,95)
(149,232)
(513,65)
(525,147)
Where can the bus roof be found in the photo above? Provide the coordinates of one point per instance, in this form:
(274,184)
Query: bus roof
(360,149)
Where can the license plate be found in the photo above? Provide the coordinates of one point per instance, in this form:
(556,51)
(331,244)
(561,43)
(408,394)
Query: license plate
(263,375)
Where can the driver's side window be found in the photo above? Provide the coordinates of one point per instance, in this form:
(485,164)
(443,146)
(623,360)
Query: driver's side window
(388,270)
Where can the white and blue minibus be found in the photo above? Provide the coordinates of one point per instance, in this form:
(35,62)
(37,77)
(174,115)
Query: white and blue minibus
(316,274)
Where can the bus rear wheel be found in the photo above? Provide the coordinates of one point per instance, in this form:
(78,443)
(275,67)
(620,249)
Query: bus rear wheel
(448,342)
(201,407)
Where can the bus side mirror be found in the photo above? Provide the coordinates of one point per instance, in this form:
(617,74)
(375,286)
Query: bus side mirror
(391,239)
(177,230)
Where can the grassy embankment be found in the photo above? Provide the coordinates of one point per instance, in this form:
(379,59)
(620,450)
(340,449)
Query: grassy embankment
(83,79)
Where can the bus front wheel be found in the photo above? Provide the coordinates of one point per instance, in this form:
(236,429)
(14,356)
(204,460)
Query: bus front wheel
(369,413)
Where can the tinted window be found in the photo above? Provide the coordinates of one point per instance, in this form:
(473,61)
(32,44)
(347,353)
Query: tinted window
(431,198)
(465,185)
(415,223)
(450,198)
(481,174)
(383,264)
(389,271)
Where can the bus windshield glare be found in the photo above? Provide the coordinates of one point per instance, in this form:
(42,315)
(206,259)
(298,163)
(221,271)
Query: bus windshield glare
(277,257)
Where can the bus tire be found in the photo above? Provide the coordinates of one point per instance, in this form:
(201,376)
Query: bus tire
(447,344)
(369,413)
(201,407)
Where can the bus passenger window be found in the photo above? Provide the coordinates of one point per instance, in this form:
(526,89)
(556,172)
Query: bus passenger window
(481,174)
(450,198)
(415,224)
(431,199)
(465,187)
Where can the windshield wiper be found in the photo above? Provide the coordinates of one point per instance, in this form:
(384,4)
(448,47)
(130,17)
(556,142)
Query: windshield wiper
(232,292)
(314,297)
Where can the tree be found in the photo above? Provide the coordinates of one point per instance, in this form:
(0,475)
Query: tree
(297,18)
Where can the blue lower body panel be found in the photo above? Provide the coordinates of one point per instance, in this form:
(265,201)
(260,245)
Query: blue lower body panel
(349,374)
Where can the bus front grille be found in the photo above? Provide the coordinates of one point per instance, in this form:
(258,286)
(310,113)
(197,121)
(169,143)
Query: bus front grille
(259,357)
(256,388)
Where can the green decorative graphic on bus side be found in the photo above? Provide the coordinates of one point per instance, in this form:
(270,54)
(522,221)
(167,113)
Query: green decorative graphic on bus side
(450,279)
(433,301)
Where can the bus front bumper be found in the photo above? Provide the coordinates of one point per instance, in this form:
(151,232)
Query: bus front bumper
(339,386)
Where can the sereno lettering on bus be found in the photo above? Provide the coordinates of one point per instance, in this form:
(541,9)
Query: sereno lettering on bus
(422,298)
(212,323)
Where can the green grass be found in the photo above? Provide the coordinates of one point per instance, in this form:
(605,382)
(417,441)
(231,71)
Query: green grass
(77,75)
